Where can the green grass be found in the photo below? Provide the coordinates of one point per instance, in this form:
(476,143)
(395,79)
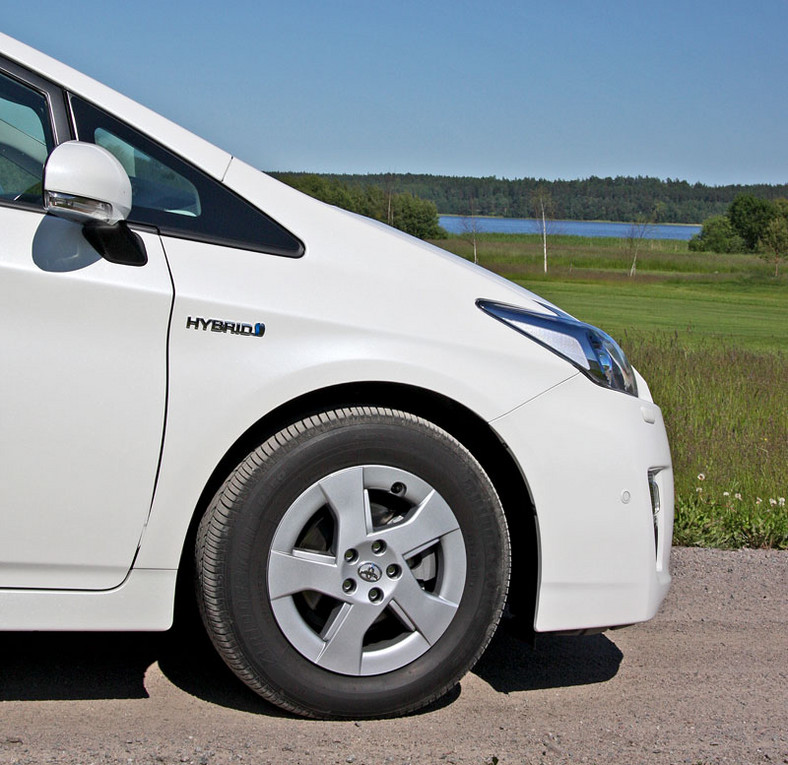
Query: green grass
(710,334)
(574,257)
(741,315)
(726,410)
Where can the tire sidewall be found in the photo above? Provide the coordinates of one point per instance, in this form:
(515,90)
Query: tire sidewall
(270,488)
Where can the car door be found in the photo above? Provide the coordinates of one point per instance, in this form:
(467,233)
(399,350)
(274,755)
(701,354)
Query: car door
(84,371)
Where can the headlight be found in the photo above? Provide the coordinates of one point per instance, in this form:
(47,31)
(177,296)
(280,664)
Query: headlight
(591,350)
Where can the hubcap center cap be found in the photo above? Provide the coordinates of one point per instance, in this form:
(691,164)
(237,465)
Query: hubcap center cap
(369,572)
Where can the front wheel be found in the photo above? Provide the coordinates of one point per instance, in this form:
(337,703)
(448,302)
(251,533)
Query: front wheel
(354,565)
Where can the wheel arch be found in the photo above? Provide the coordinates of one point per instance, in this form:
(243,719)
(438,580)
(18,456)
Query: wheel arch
(463,424)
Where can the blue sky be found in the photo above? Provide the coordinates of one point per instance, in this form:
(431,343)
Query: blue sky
(677,89)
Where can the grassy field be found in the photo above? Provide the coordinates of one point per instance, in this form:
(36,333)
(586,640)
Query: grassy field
(741,315)
(710,334)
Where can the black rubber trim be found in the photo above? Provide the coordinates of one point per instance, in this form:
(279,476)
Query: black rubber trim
(116,243)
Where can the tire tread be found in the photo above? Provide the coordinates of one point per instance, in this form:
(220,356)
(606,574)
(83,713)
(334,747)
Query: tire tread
(215,525)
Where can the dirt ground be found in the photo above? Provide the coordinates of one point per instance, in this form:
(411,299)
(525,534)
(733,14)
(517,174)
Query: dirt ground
(706,681)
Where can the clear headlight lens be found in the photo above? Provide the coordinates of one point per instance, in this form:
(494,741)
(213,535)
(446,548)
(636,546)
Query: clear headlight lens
(591,350)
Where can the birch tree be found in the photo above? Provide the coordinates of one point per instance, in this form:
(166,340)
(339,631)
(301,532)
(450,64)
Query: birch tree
(542,203)
(638,231)
(470,228)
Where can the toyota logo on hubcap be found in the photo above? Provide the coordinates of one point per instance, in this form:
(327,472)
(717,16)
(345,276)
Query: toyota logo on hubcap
(369,572)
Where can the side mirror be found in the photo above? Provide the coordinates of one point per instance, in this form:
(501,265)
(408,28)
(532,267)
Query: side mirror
(84,182)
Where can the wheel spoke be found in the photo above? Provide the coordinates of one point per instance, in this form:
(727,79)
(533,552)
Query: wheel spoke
(289,573)
(344,636)
(431,520)
(429,614)
(430,539)
(345,493)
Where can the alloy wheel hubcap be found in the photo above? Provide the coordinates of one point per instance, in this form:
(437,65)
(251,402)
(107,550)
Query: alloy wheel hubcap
(367,570)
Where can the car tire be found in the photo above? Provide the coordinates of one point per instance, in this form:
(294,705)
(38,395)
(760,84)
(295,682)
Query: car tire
(354,565)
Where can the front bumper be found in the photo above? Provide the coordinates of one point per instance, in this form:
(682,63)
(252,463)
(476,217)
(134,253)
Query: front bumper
(586,454)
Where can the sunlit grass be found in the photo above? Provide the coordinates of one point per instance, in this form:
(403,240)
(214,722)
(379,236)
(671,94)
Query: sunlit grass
(746,315)
(575,257)
(710,334)
(726,410)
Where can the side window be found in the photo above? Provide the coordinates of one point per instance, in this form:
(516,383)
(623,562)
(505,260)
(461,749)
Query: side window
(176,197)
(155,186)
(25,141)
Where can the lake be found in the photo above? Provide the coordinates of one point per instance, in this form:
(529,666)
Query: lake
(454,225)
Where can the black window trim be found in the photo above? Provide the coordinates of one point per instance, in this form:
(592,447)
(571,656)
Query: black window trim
(195,236)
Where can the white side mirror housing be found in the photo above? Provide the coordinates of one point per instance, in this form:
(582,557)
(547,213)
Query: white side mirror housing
(84,182)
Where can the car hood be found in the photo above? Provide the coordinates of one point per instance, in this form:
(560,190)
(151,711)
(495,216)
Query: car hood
(365,247)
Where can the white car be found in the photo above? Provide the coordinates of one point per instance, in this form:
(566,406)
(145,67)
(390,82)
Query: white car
(358,447)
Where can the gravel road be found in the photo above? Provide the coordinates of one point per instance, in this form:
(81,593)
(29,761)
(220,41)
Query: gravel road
(704,682)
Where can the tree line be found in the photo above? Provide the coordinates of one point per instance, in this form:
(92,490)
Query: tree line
(617,199)
(401,209)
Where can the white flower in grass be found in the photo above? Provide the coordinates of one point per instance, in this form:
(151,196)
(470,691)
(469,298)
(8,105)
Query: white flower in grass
(772,501)
(701,476)
(758,500)
(726,494)
(781,501)
(737,495)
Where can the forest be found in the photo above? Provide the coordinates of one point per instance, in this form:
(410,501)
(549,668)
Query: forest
(615,199)
(403,210)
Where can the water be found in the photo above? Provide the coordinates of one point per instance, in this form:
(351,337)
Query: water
(454,225)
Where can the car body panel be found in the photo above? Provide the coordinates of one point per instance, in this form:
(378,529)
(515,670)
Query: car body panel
(599,566)
(143,602)
(83,390)
(325,333)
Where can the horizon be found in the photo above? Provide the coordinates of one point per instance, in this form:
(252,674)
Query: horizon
(526,177)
